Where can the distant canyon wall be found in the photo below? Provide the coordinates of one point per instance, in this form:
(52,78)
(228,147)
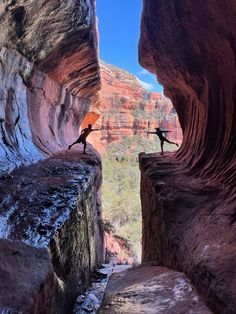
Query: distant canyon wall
(127,109)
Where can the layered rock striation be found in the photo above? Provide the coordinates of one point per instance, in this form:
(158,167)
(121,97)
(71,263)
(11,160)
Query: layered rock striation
(185,45)
(187,226)
(49,76)
(189,200)
(127,109)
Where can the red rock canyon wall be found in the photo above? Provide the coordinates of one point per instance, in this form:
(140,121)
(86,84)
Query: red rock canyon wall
(191,47)
(189,200)
(49,76)
(51,238)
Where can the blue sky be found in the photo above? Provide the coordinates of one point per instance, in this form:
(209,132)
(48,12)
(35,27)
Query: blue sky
(119,23)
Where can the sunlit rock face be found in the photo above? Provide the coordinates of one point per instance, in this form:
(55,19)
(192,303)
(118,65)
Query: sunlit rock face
(49,76)
(127,109)
(190,225)
(117,250)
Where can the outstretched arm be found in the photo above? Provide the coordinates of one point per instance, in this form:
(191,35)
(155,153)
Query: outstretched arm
(166,131)
(96,130)
(152,132)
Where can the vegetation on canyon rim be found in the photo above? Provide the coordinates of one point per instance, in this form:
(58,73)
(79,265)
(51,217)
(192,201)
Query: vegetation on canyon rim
(121,186)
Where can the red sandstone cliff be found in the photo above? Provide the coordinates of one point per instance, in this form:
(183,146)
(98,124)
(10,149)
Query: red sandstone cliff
(49,79)
(191,47)
(127,109)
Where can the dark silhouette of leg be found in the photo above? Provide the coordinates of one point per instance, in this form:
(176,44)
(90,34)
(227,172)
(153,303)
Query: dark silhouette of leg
(166,140)
(162,143)
(76,142)
(84,146)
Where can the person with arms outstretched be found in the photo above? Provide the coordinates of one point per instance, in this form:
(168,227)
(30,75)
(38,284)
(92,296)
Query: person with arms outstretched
(83,136)
(162,138)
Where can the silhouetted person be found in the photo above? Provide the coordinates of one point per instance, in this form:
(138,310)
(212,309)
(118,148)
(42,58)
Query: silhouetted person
(83,136)
(162,138)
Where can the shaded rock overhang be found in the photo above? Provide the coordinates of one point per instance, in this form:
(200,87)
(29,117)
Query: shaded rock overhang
(191,47)
(50,76)
(59,37)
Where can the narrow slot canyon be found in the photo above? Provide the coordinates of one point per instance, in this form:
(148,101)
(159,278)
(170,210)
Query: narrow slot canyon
(123,227)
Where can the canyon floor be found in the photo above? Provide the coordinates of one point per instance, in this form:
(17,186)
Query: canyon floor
(151,289)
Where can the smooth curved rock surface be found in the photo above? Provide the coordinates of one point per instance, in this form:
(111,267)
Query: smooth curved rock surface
(28,283)
(187,226)
(191,47)
(189,201)
(16,143)
(60,37)
(49,74)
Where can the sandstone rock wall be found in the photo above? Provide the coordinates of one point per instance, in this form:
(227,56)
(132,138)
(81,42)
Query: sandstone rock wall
(191,48)
(189,201)
(188,225)
(49,74)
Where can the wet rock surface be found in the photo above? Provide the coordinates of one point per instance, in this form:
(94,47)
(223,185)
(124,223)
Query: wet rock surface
(55,204)
(187,226)
(151,289)
(91,300)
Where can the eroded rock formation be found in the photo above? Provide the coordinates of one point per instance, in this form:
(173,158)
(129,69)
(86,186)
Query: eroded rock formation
(50,211)
(49,80)
(127,109)
(186,45)
(189,200)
